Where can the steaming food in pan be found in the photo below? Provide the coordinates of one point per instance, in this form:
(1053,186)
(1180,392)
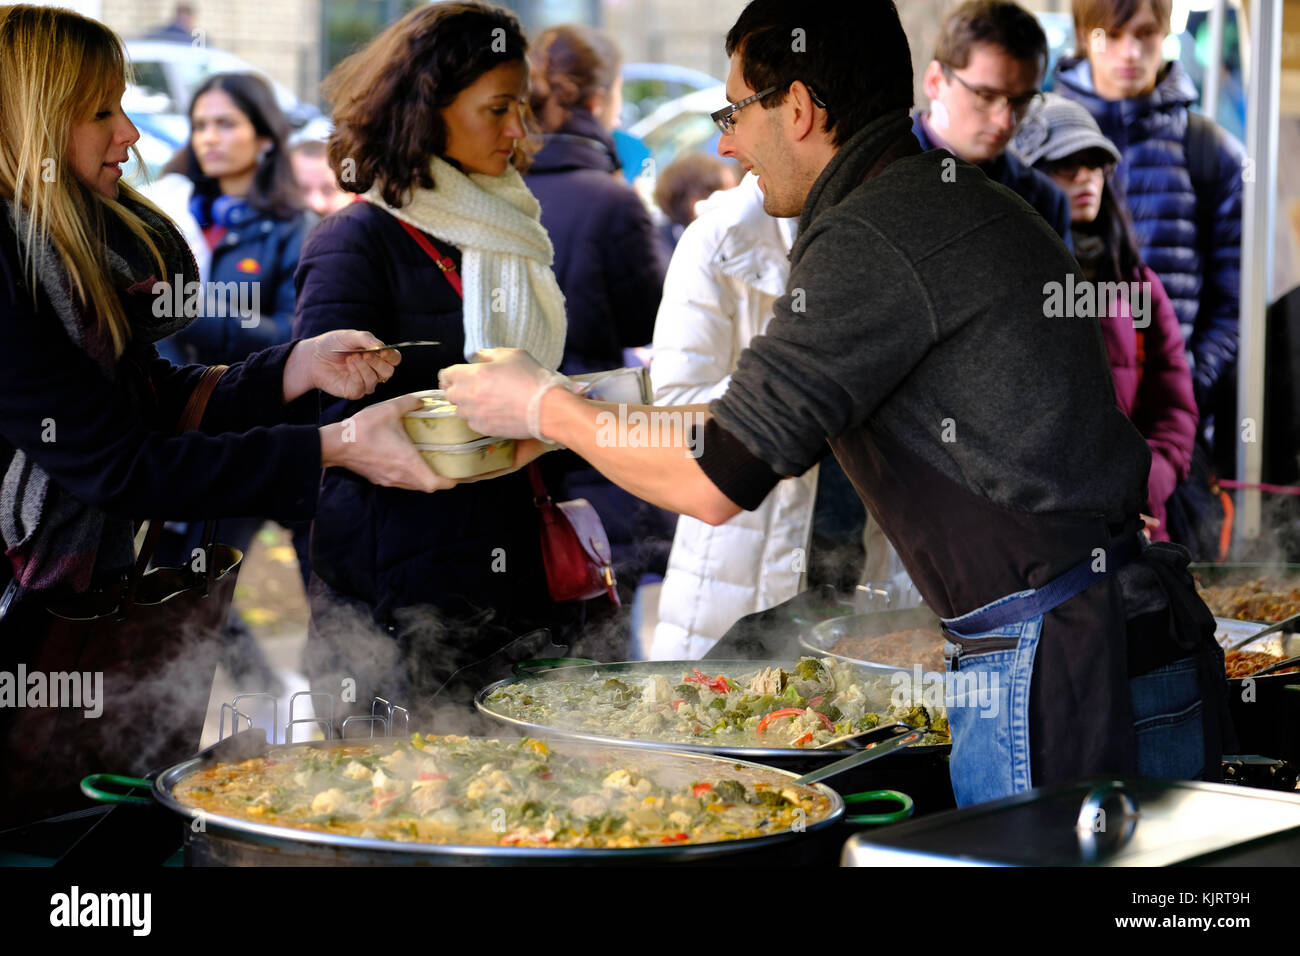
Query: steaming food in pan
(1268,598)
(918,645)
(763,707)
(477,792)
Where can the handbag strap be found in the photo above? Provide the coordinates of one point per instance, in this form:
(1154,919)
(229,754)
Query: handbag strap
(191,418)
(444,263)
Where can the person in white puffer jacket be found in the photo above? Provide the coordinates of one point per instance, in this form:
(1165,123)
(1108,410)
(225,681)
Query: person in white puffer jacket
(728,269)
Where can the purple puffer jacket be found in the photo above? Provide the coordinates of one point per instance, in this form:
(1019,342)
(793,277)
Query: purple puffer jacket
(1153,387)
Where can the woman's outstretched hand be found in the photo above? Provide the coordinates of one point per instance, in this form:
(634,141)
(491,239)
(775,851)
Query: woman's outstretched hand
(314,363)
(373,444)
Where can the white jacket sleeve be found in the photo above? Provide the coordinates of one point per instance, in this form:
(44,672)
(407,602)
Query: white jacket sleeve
(695,332)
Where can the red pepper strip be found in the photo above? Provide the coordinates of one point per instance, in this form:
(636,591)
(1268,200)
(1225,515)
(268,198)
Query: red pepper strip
(719,685)
(675,838)
(700,789)
(783,712)
(816,700)
(678,702)
(803,740)
(428,775)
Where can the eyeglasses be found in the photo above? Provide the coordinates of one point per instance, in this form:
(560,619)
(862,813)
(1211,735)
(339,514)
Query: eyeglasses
(991,101)
(723,116)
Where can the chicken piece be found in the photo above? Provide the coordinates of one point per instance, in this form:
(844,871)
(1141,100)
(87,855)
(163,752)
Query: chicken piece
(679,819)
(328,801)
(588,805)
(770,680)
(619,780)
(657,690)
(427,799)
(396,761)
(357,771)
(383,783)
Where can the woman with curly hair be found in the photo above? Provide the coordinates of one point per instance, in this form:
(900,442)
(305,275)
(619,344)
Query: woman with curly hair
(429,129)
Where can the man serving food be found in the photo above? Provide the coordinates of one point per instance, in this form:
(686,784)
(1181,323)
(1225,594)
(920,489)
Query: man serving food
(982,435)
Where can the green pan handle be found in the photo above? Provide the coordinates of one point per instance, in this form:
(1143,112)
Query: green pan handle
(905,804)
(91,785)
(539,664)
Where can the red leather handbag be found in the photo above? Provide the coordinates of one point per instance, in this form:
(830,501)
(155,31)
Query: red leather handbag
(575,548)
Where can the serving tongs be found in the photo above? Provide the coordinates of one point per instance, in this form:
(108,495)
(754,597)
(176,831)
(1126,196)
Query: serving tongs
(876,743)
(1283,625)
(1275,666)
(382,348)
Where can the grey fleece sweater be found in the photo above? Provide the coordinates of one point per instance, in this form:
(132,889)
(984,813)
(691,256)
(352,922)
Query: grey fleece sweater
(916,306)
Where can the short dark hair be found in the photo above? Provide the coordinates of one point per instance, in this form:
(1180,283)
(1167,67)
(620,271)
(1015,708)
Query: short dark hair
(388,98)
(853,54)
(1108,15)
(686,181)
(997,23)
(274,189)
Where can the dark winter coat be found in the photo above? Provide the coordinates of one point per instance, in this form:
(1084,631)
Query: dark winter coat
(1025,181)
(256,248)
(607,259)
(1196,251)
(466,550)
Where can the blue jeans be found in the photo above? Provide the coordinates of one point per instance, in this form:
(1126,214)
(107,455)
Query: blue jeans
(1168,711)
(987,698)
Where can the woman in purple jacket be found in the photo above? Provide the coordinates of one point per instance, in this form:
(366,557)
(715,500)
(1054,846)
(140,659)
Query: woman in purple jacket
(1153,385)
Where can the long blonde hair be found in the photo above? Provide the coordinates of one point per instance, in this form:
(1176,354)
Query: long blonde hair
(57,67)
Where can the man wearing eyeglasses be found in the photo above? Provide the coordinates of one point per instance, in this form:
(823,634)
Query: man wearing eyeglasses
(987,67)
(980,431)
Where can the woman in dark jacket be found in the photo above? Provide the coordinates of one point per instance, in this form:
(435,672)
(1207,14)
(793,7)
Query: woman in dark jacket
(606,258)
(88,409)
(1153,385)
(409,588)
(608,261)
(232,192)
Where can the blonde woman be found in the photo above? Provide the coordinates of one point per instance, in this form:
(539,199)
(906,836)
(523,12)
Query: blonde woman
(87,408)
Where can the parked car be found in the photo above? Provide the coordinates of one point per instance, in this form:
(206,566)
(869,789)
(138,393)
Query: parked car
(648,86)
(682,126)
(175,70)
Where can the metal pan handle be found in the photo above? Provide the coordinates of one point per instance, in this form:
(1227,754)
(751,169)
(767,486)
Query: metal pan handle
(91,785)
(905,807)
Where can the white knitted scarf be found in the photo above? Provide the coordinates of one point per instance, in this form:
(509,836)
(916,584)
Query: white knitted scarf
(511,297)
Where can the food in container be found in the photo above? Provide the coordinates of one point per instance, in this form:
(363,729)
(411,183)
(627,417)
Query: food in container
(437,422)
(754,706)
(469,459)
(479,792)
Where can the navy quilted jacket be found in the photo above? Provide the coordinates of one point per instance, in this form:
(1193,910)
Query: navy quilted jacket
(607,259)
(1201,273)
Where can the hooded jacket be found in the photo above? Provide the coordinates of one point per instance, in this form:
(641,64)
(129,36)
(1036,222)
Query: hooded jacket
(607,259)
(1196,251)
(729,269)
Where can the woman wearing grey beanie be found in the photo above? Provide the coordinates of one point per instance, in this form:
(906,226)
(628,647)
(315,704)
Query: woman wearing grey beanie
(1153,385)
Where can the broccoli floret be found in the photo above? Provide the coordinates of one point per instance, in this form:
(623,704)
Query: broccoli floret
(830,711)
(809,668)
(730,791)
(688,692)
(867,721)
